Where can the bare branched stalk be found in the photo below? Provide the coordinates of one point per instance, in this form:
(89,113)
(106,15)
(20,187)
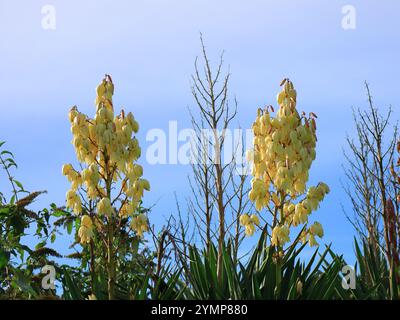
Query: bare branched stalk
(215,184)
(370,188)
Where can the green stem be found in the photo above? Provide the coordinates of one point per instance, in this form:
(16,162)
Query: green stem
(110,235)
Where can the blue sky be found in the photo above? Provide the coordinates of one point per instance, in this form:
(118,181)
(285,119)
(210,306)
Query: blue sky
(149,48)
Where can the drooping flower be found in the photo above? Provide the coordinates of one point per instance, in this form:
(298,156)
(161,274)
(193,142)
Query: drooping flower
(249,223)
(104,207)
(140,225)
(85,231)
(280,235)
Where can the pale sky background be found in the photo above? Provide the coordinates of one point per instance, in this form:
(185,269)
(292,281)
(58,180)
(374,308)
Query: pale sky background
(149,48)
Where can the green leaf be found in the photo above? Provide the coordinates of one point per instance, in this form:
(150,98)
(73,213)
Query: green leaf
(6,152)
(71,286)
(40,245)
(19,184)
(4,258)
(23,282)
(69,227)
(18,223)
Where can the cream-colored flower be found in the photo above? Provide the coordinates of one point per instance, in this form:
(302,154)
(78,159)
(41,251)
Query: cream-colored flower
(317,230)
(280,235)
(66,169)
(91,297)
(85,231)
(104,207)
(299,287)
(311,241)
(244,219)
(249,229)
(249,223)
(254,219)
(140,225)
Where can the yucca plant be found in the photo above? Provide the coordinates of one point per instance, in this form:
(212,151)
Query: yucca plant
(106,193)
(374,273)
(263,277)
(142,285)
(373,277)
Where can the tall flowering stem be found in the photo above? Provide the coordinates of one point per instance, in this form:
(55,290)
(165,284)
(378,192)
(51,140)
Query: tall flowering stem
(282,154)
(107,191)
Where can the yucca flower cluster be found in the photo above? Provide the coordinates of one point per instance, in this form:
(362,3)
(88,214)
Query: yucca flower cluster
(284,148)
(107,150)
